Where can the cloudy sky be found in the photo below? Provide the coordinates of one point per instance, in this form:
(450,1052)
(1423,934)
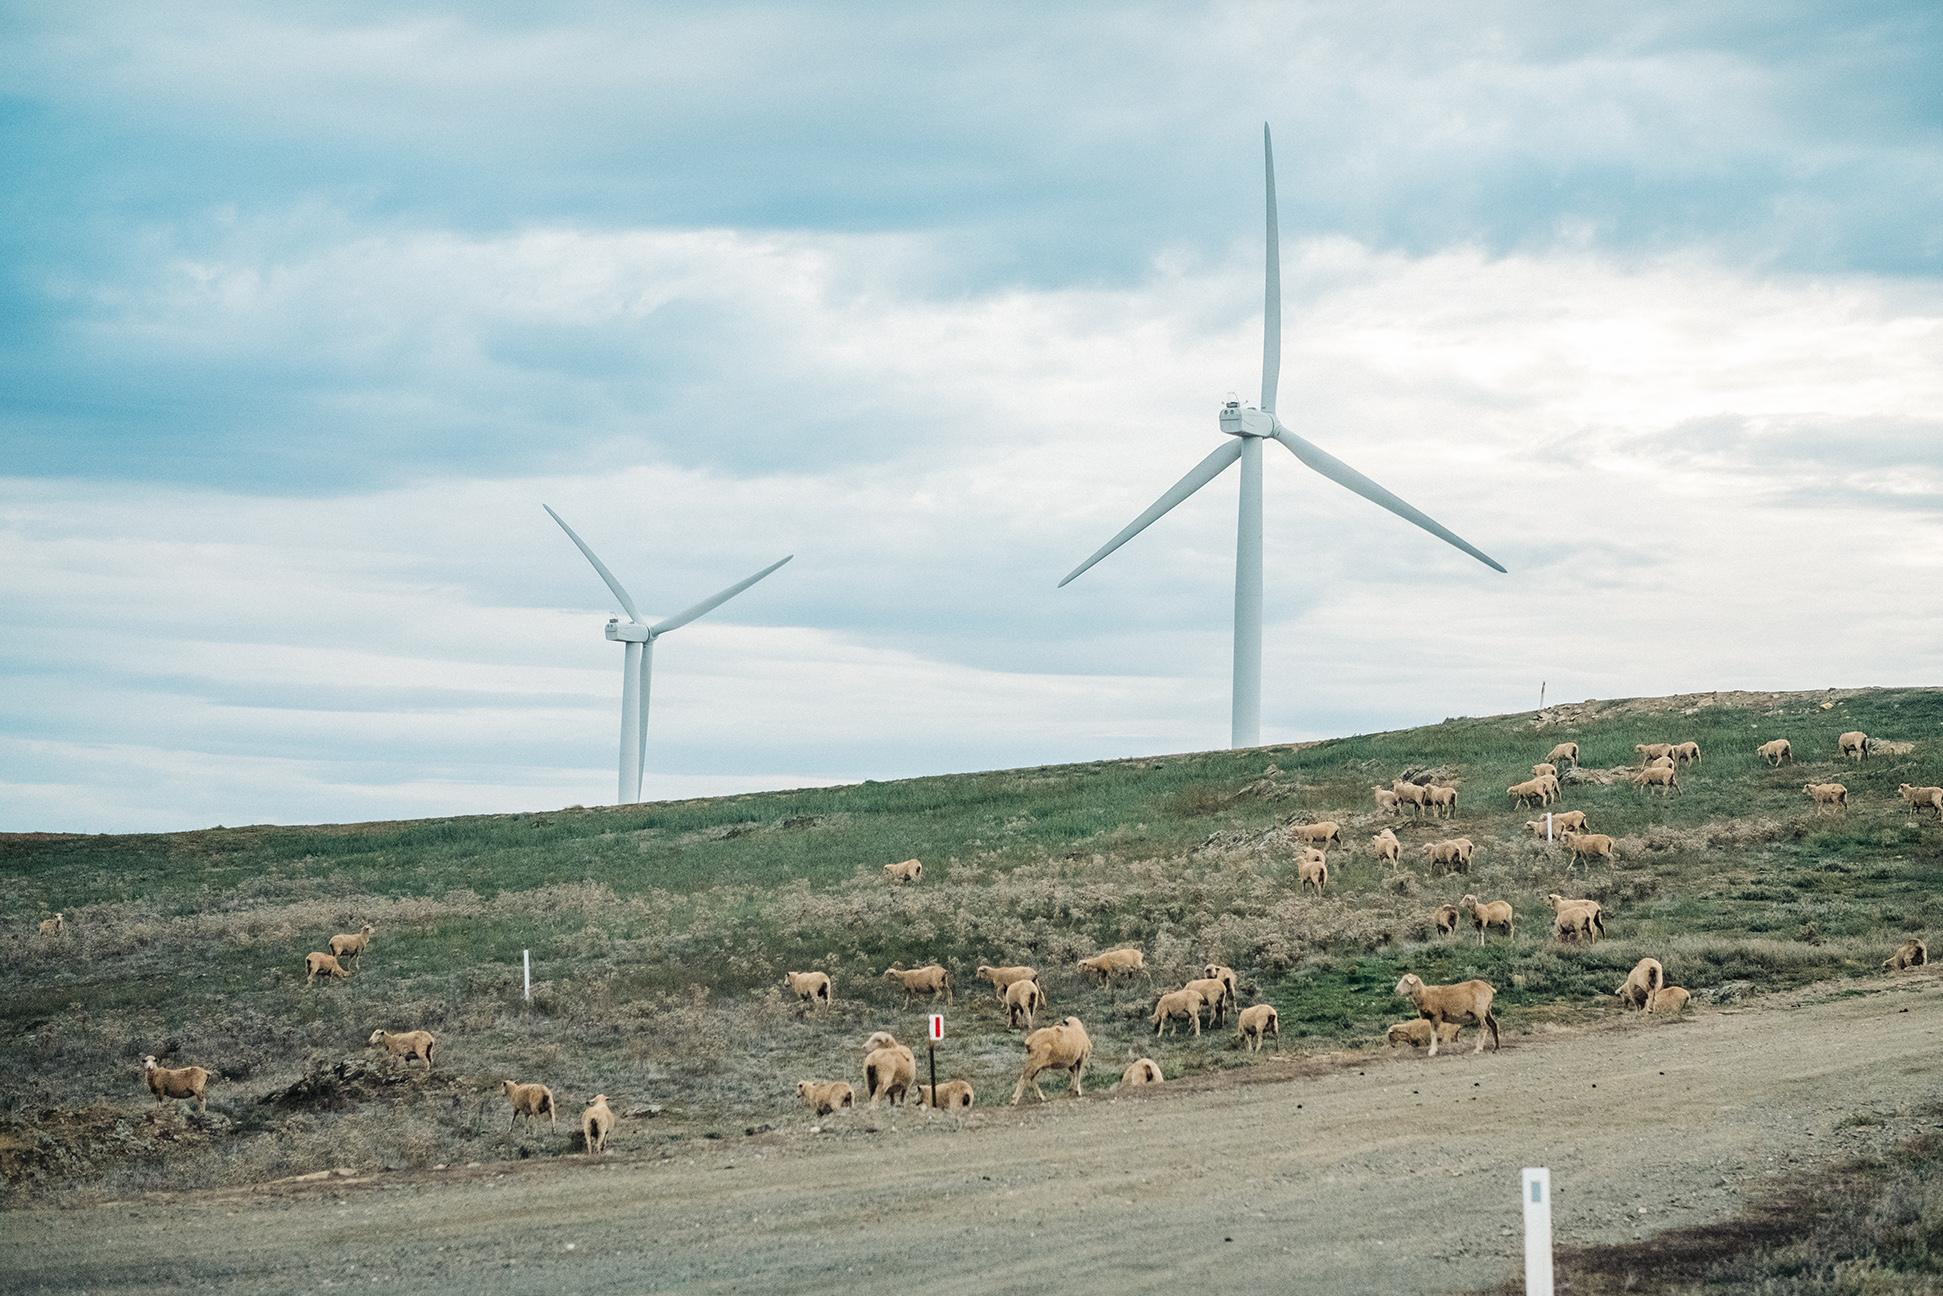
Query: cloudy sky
(305,310)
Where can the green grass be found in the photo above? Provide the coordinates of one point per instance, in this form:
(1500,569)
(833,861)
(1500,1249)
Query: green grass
(659,933)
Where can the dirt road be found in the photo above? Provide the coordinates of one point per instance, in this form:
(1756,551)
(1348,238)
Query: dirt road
(1400,1176)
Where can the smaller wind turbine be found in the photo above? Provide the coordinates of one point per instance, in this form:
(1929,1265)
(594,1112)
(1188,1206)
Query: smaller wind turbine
(639,664)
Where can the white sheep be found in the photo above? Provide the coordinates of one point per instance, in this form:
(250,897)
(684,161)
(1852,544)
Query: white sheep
(181,1082)
(810,987)
(1001,977)
(1065,1047)
(933,980)
(1588,847)
(1114,962)
(1312,870)
(1776,751)
(1417,1033)
(1387,847)
(1564,751)
(1319,834)
(1179,1003)
(406,1044)
(1922,798)
(1543,769)
(1826,795)
(317,963)
(1667,999)
(596,1123)
(1386,801)
(824,1097)
(1456,1004)
(1663,777)
(1496,913)
(1686,753)
(1912,954)
(1022,999)
(1256,1023)
(909,870)
(1445,917)
(1412,794)
(951,1094)
(51,927)
(1144,1072)
(1854,744)
(352,945)
(1638,987)
(530,1101)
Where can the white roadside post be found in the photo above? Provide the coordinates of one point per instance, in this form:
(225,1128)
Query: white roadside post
(526,956)
(1537,1194)
(1548,825)
(937,1034)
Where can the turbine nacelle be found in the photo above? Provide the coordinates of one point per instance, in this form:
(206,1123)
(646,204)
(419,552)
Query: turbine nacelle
(628,631)
(1250,422)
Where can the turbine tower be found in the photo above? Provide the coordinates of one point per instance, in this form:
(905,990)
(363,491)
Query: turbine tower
(1250,427)
(638,666)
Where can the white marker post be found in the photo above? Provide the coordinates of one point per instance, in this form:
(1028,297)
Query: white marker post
(1548,825)
(937,1034)
(1537,1193)
(526,956)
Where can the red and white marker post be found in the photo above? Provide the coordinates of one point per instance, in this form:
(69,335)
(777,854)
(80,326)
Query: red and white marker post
(937,1034)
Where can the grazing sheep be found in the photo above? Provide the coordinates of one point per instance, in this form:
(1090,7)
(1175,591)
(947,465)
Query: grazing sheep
(1646,977)
(1065,1047)
(932,980)
(1443,800)
(951,1095)
(182,1082)
(880,1040)
(1214,992)
(1826,795)
(596,1123)
(1256,1023)
(1387,847)
(1446,919)
(1544,769)
(1179,1003)
(1313,870)
(1319,833)
(1114,962)
(354,945)
(1686,753)
(1411,793)
(810,987)
(1005,976)
(1022,999)
(406,1044)
(1454,855)
(52,926)
(824,1097)
(1496,913)
(1584,920)
(1652,751)
(1386,801)
(1668,999)
(530,1100)
(1564,751)
(1532,792)
(1912,954)
(1855,745)
(1776,751)
(317,963)
(1456,1004)
(889,1072)
(1563,821)
(909,870)
(1417,1033)
(1588,847)
(1917,797)
(1663,777)
(1225,975)
(1144,1072)
(1661,762)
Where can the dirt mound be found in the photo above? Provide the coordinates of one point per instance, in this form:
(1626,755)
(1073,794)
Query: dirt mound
(66,1143)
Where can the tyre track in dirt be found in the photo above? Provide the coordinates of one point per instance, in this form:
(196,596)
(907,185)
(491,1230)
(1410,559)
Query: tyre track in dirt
(1396,1174)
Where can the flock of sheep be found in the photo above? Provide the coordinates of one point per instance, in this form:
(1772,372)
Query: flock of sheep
(890,1068)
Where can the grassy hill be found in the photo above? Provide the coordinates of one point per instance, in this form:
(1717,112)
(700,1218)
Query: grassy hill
(659,933)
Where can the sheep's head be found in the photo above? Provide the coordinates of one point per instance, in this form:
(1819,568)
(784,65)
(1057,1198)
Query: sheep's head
(148,1063)
(376,1036)
(1410,984)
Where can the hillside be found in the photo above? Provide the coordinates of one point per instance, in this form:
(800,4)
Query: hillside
(659,933)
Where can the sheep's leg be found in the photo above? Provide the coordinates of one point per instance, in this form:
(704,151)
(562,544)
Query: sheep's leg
(1434,1023)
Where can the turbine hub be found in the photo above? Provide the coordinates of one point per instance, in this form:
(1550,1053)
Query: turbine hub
(1236,421)
(627,631)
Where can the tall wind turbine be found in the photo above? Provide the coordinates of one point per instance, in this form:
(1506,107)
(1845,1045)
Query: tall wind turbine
(1249,428)
(639,664)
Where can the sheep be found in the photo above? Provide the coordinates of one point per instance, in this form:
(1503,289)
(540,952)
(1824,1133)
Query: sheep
(1553,788)
(1563,821)
(1453,855)
(825,1097)
(1386,801)
(596,1123)
(1668,999)
(1065,1047)
(1409,792)
(1417,1033)
(1456,1004)
(1686,753)
(406,1044)
(1256,1023)
(1443,800)
(810,987)
(1649,751)
(1225,975)
(1313,869)
(1646,977)
(1214,992)
(1387,847)
(1588,847)
(951,1094)
(1584,919)
(909,870)
(1912,954)
(51,927)
(1564,751)
(1776,751)
(1446,919)
(1917,797)
(342,945)
(1662,762)
(1022,999)
(1540,770)
(889,1072)
(317,963)
(880,1040)
(1113,962)
(1319,833)
(1532,792)
(1495,913)
(1663,777)
(1144,1072)
(530,1100)
(1827,794)
(1854,745)
(1179,1003)
(181,1082)
(933,980)
(1005,976)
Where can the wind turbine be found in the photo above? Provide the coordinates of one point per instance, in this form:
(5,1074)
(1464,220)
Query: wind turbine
(639,664)
(1250,427)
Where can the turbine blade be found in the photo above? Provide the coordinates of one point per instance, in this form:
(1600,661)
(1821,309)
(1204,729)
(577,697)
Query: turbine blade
(1203,473)
(708,605)
(1272,291)
(1343,475)
(599,566)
